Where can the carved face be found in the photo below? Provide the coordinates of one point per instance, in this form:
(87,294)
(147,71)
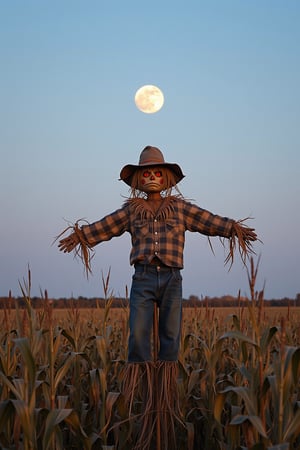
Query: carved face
(152,179)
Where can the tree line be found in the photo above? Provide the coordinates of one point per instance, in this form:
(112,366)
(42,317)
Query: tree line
(95,302)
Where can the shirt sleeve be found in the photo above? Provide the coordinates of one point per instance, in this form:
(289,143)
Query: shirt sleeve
(112,225)
(204,222)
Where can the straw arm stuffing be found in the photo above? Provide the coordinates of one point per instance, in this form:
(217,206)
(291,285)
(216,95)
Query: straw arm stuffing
(242,238)
(76,242)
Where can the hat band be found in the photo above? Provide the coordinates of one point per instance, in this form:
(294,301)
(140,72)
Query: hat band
(146,161)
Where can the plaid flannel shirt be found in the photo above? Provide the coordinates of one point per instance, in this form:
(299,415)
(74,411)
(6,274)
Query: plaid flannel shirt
(161,234)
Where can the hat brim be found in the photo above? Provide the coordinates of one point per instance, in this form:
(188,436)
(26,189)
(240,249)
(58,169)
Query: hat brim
(127,172)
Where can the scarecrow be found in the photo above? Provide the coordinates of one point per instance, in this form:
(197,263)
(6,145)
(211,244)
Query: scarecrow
(157,219)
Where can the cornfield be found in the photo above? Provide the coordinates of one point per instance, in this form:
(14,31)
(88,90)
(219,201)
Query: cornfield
(61,375)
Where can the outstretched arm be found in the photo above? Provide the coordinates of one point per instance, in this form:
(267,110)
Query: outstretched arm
(234,232)
(82,239)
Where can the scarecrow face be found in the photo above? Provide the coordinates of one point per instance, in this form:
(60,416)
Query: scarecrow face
(152,179)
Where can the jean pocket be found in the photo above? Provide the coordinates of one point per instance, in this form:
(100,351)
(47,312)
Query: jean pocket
(138,275)
(177,275)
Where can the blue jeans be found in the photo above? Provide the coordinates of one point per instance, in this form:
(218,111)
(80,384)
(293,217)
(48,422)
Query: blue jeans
(163,286)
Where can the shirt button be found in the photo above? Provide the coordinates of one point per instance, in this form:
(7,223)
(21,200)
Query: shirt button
(155,232)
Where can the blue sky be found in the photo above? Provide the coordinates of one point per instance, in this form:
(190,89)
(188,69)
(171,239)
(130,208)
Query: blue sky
(229,71)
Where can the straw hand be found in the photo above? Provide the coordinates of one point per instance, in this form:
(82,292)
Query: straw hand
(68,244)
(249,234)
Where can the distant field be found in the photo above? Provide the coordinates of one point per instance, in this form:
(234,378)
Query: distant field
(220,313)
(268,314)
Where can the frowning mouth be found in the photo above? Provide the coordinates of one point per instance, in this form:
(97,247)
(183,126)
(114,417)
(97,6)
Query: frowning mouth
(152,184)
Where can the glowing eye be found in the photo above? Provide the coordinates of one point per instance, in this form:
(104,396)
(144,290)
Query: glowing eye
(146,174)
(158,173)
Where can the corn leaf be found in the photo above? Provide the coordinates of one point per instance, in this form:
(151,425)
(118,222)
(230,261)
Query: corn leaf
(254,420)
(219,405)
(245,394)
(239,336)
(293,429)
(54,418)
(70,338)
(292,359)
(24,347)
(62,371)
(267,337)
(102,349)
(62,401)
(10,386)
(26,419)
(194,380)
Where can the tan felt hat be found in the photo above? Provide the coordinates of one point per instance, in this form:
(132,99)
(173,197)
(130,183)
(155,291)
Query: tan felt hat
(150,156)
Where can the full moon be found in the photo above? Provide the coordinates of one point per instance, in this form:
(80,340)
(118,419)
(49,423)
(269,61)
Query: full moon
(149,99)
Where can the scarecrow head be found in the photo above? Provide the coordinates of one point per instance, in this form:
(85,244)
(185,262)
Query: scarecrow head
(152,173)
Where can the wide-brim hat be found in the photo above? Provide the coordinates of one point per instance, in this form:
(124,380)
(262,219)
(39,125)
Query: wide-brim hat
(150,156)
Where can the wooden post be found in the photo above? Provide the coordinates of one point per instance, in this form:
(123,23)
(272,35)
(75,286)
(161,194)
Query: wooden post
(155,358)
(155,333)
